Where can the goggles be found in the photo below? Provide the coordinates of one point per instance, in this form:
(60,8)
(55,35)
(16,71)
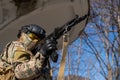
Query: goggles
(33,36)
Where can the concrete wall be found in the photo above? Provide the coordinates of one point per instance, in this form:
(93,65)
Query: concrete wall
(49,17)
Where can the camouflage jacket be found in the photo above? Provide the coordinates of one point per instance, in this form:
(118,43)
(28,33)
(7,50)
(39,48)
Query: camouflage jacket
(25,65)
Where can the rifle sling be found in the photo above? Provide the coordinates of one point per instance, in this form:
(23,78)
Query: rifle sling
(64,53)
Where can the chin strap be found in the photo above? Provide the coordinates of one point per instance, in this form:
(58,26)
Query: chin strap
(64,53)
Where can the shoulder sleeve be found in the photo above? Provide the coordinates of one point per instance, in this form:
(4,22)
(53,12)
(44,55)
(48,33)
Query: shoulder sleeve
(30,69)
(21,56)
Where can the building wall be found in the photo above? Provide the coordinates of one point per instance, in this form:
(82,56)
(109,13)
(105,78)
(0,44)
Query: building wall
(47,13)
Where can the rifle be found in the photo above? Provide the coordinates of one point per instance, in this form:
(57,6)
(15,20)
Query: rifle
(60,31)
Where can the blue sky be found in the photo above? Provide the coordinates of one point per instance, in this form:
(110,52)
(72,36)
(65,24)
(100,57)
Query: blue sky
(84,58)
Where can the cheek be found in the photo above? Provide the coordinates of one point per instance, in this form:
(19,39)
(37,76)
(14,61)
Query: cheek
(21,38)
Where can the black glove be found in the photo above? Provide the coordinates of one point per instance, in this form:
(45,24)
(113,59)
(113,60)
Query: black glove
(54,56)
(49,47)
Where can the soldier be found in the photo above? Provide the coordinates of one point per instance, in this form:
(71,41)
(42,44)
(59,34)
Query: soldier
(18,60)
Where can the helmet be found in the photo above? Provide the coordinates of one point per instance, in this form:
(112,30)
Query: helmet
(33,28)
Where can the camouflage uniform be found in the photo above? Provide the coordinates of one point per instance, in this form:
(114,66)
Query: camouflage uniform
(23,63)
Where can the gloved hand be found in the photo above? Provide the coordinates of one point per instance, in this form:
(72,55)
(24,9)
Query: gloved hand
(49,47)
(54,56)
